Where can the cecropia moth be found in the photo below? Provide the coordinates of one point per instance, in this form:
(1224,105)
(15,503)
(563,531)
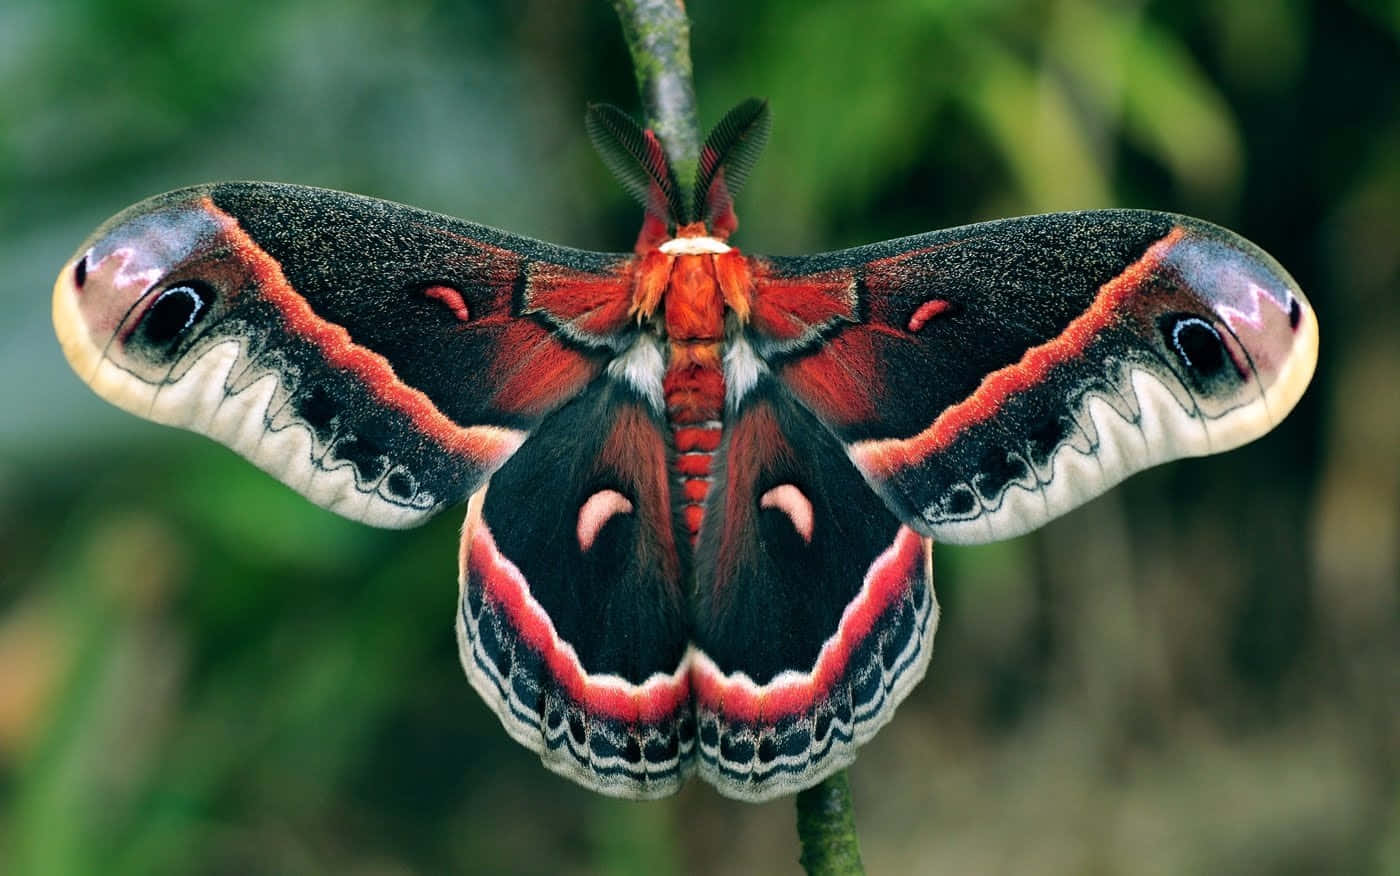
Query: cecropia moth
(702,486)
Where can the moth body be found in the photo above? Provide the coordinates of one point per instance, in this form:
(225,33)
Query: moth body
(702,486)
(705,288)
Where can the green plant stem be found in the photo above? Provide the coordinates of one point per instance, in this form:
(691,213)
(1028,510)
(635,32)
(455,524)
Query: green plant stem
(658,36)
(826,827)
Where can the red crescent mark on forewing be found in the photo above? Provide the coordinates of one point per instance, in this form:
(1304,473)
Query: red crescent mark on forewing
(486,446)
(927,311)
(532,371)
(883,458)
(451,299)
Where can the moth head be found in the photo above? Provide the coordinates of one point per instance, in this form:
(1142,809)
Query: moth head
(137,295)
(1233,325)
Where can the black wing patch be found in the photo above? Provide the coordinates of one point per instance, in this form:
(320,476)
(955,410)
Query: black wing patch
(573,621)
(986,379)
(814,608)
(381,360)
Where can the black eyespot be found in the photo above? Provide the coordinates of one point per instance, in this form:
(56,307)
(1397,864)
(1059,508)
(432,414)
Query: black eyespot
(318,409)
(767,750)
(1045,437)
(998,468)
(1197,344)
(1295,312)
(365,455)
(80,272)
(400,485)
(175,312)
(961,502)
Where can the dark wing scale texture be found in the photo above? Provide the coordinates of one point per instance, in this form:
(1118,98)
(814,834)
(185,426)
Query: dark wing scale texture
(814,607)
(573,623)
(965,385)
(382,360)
(986,379)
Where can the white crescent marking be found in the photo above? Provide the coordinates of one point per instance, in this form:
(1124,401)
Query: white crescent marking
(601,507)
(789,500)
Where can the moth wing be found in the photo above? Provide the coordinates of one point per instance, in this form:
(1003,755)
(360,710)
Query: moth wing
(986,379)
(573,623)
(379,359)
(813,607)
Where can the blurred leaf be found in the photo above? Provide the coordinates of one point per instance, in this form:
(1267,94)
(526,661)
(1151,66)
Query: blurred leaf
(1139,77)
(1173,112)
(1385,11)
(1032,120)
(1261,44)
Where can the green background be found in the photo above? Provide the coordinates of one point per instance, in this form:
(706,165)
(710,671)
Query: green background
(1200,672)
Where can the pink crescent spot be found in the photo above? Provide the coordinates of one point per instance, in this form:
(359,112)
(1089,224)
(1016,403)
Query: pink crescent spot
(927,311)
(789,500)
(451,298)
(598,510)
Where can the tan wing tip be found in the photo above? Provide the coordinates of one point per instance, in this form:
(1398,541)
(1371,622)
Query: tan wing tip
(82,354)
(1297,370)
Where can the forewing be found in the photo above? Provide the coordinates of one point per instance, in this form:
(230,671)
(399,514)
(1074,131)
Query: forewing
(381,360)
(986,379)
(814,609)
(572,622)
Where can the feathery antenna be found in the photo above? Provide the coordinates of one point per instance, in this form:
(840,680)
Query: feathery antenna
(729,154)
(637,160)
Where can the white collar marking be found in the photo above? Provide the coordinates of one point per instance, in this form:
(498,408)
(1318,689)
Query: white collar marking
(694,246)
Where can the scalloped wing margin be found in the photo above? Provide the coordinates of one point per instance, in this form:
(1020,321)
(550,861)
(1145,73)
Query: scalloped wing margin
(379,359)
(572,621)
(814,607)
(987,379)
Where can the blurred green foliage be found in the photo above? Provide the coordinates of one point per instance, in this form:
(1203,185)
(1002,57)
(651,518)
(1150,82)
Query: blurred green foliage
(200,673)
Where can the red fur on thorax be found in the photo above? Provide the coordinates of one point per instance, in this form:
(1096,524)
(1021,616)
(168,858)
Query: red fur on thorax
(693,294)
(694,305)
(694,393)
(653,276)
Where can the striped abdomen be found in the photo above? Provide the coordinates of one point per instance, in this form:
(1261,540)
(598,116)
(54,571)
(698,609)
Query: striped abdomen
(694,389)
